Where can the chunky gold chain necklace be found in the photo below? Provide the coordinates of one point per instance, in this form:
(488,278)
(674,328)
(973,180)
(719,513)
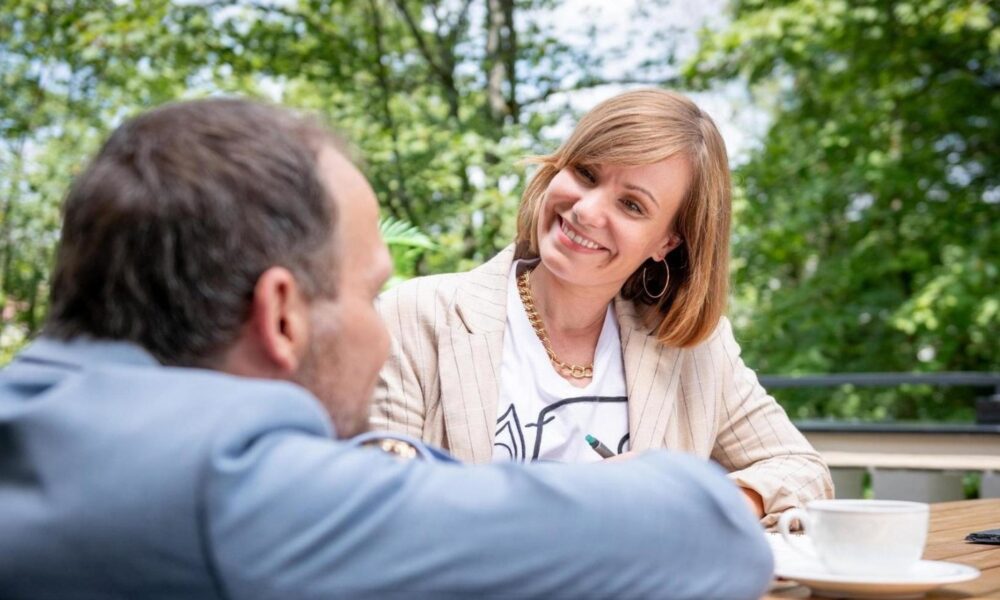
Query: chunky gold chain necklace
(524,290)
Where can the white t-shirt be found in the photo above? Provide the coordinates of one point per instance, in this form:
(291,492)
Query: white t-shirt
(540,415)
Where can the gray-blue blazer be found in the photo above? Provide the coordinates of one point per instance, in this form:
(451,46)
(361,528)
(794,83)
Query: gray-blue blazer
(121,478)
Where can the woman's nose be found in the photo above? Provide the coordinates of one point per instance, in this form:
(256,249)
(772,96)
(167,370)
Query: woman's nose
(589,210)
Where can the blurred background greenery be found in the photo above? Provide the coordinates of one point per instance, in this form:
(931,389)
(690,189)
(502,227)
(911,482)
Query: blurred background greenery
(867,230)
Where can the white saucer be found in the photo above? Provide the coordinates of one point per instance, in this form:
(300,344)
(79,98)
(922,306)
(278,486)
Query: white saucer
(922,577)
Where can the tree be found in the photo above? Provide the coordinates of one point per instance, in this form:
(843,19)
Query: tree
(868,222)
(442,98)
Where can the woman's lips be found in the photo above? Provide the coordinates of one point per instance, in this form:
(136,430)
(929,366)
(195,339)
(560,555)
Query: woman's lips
(574,240)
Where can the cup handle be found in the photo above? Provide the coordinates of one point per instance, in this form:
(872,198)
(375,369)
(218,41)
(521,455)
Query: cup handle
(784,525)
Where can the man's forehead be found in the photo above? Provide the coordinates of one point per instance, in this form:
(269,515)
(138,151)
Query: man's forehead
(335,169)
(346,184)
(357,236)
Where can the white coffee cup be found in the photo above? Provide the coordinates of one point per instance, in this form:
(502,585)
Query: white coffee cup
(861,537)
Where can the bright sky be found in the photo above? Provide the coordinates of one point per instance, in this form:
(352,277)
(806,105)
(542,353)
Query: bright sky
(665,22)
(740,123)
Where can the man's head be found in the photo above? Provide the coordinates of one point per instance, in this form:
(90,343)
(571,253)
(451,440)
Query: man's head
(232,235)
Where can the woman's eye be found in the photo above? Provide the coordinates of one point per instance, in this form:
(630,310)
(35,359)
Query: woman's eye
(632,206)
(585,174)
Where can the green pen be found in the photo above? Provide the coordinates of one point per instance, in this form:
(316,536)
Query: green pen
(599,448)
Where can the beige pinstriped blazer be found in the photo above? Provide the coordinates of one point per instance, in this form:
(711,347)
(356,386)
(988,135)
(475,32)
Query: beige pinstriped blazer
(440,384)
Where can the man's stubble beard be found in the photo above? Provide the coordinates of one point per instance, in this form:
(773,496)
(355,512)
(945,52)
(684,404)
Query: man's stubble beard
(348,418)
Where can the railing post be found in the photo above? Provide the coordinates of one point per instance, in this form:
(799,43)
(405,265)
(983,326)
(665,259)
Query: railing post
(848,482)
(917,484)
(989,485)
(988,409)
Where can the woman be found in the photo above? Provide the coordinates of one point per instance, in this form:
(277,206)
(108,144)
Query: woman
(603,320)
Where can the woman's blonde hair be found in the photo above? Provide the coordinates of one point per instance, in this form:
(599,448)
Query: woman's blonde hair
(643,127)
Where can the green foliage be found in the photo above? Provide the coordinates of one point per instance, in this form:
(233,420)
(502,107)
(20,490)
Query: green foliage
(868,223)
(867,231)
(406,244)
(439,112)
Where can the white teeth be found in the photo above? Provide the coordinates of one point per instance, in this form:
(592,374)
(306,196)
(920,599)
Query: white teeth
(578,238)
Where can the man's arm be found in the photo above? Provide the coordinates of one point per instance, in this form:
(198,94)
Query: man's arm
(289,514)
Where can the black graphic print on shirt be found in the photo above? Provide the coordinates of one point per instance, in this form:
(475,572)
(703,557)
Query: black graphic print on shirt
(510,429)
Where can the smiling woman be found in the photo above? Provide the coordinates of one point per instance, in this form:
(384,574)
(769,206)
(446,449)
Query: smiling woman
(604,321)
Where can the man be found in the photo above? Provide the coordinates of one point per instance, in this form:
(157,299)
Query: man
(218,259)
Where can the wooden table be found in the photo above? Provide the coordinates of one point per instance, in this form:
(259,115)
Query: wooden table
(950,523)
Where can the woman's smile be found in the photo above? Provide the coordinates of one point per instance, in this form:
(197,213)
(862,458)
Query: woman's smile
(575,240)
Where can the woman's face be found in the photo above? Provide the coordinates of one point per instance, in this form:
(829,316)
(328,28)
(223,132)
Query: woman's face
(599,223)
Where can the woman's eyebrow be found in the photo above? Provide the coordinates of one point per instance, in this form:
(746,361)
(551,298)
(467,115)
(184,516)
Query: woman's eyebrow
(632,186)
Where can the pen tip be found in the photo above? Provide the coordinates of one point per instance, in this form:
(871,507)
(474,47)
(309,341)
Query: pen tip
(591,439)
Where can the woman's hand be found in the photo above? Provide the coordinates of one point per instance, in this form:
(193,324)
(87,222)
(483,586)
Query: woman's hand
(754,500)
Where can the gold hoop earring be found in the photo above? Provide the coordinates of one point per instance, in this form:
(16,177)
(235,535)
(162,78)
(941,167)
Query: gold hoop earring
(665,285)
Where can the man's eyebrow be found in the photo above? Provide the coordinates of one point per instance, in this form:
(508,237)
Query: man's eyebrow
(632,186)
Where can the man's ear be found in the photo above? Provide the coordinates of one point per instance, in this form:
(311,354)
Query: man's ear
(279,320)
(668,245)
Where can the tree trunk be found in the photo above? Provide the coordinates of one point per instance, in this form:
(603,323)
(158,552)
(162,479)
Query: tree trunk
(398,202)
(6,223)
(33,317)
(501,58)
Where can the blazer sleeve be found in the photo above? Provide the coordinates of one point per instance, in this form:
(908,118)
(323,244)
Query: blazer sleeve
(399,403)
(757,442)
(288,513)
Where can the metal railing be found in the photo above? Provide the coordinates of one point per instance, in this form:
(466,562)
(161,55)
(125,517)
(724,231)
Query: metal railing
(987,406)
(974,379)
(916,461)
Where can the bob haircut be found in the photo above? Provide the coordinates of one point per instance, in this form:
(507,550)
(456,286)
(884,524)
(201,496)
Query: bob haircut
(642,127)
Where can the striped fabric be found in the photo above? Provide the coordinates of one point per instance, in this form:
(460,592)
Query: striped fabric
(441,384)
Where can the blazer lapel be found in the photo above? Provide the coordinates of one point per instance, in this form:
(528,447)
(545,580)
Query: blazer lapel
(469,354)
(652,373)
(469,390)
